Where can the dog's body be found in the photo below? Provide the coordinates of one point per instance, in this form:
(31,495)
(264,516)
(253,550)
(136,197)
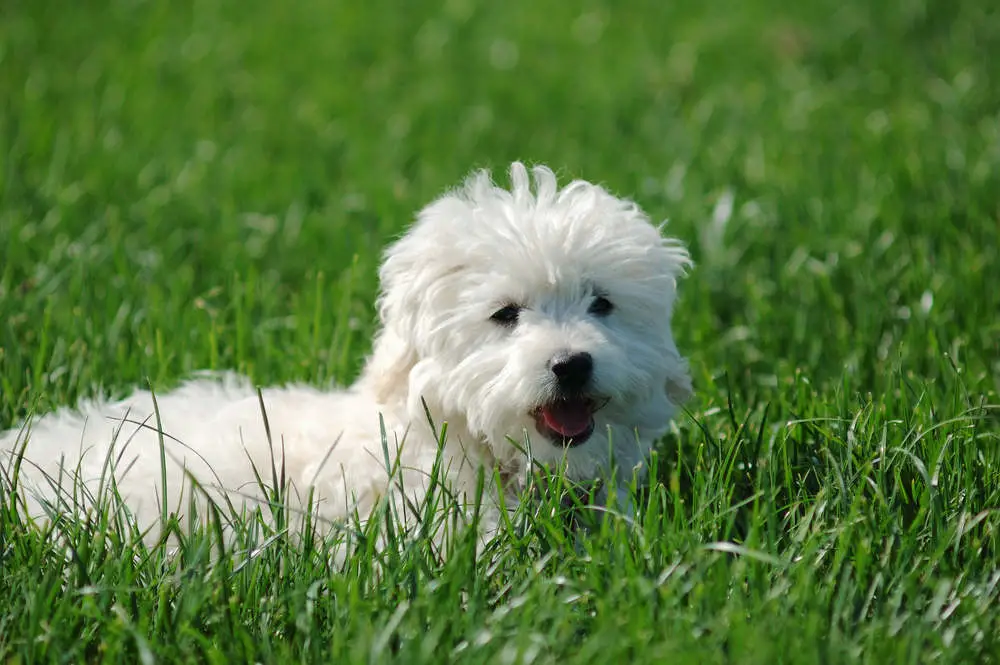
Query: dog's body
(215,433)
(522,319)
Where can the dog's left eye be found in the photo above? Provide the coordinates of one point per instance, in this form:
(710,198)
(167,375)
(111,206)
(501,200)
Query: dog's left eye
(601,306)
(506,316)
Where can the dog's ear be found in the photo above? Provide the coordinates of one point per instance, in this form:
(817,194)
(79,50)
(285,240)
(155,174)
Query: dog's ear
(679,388)
(414,294)
(387,372)
(394,352)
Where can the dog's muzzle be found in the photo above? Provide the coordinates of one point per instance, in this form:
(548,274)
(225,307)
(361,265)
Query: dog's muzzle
(567,422)
(573,372)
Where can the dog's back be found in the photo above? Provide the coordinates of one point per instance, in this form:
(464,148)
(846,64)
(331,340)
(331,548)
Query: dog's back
(213,431)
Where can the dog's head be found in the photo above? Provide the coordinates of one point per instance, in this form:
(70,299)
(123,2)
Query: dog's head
(539,315)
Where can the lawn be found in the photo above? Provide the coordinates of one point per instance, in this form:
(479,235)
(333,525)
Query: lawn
(193,184)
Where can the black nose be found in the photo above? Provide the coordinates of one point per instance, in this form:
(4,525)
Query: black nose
(573,371)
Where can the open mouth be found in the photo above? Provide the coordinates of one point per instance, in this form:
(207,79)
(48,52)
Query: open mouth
(567,421)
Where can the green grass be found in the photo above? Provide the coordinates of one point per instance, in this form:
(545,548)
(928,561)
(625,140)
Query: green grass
(206,184)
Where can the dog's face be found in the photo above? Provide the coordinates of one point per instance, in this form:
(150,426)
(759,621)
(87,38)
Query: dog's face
(540,319)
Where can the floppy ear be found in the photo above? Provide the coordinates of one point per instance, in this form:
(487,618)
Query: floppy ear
(387,372)
(413,296)
(676,261)
(678,386)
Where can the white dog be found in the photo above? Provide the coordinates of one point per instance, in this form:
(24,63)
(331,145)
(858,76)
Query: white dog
(534,323)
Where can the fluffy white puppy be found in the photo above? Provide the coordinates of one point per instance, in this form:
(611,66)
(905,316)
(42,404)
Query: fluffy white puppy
(534,322)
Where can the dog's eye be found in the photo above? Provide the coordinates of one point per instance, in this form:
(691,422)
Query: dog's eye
(506,316)
(601,306)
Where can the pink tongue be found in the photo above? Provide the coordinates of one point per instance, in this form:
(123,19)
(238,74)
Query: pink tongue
(570,418)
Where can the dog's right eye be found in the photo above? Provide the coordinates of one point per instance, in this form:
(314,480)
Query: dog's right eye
(506,316)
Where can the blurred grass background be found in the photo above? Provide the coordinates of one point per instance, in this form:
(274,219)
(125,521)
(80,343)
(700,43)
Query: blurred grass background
(208,183)
(834,168)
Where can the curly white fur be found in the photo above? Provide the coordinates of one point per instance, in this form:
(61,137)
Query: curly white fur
(546,252)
